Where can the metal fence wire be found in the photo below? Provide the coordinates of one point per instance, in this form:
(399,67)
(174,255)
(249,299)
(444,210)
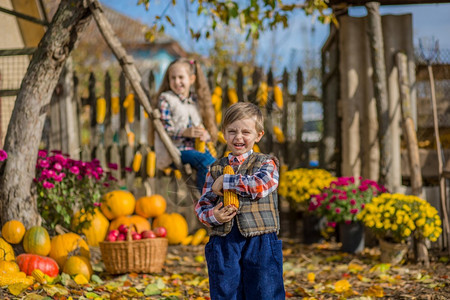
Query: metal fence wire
(440,62)
(12,70)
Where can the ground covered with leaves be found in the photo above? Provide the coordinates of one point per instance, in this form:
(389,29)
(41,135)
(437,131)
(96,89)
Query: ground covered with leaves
(318,271)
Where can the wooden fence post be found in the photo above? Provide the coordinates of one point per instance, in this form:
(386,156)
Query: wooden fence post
(300,156)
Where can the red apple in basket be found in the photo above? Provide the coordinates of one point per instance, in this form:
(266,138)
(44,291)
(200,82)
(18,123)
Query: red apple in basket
(121,237)
(136,236)
(160,231)
(148,234)
(123,229)
(112,237)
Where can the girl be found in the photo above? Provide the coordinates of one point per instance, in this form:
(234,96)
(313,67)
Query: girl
(183,114)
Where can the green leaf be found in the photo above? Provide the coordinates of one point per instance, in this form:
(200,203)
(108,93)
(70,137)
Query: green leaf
(151,290)
(96,279)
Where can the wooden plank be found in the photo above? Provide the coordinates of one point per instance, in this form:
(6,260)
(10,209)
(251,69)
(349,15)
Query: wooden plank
(385,2)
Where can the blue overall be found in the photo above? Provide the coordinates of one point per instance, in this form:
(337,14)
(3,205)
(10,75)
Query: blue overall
(199,161)
(245,268)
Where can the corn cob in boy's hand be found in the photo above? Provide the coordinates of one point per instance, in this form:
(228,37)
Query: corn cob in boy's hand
(229,197)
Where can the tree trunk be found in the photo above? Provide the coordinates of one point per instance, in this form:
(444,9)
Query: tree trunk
(375,34)
(28,116)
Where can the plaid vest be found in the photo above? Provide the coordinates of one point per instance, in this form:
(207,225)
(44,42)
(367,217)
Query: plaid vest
(255,216)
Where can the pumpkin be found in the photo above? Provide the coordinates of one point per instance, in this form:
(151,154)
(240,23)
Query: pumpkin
(8,267)
(78,265)
(6,251)
(66,244)
(13,231)
(175,224)
(29,262)
(96,230)
(117,203)
(37,241)
(151,206)
(139,222)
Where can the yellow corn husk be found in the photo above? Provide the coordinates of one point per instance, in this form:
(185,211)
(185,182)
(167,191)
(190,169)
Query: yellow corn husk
(130,137)
(232,96)
(187,240)
(279,134)
(219,117)
(151,164)
(101,110)
(115,105)
(278,96)
(262,94)
(221,138)
(211,149)
(12,278)
(200,145)
(229,197)
(39,276)
(137,161)
(177,174)
(128,104)
(256,148)
(167,171)
(198,237)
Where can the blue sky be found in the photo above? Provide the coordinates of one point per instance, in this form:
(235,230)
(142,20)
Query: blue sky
(287,47)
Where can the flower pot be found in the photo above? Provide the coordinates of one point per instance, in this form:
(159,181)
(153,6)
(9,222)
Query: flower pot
(312,227)
(352,237)
(392,253)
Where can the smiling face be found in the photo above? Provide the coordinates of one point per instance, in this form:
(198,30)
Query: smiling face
(241,135)
(180,79)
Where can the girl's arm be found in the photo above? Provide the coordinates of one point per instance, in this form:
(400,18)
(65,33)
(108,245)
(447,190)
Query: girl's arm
(256,186)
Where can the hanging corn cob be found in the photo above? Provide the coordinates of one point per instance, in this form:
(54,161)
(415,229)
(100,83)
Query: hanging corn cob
(262,94)
(115,106)
(279,134)
(229,197)
(211,149)
(167,171)
(216,100)
(226,153)
(256,148)
(199,145)
(177,174)
(232,96)
(101,110)
(128,104)
(221,138)
(278,96)
(137,162)
(151,164)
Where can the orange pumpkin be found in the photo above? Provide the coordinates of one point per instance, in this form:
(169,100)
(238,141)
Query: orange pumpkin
(96,230)
(78,265)
(37,241)
(138,221)
(13,231)
(117,203)
(67,244)
(151,206)
(175,224)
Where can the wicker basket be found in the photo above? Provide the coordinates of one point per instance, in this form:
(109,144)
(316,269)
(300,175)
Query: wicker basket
(139,256)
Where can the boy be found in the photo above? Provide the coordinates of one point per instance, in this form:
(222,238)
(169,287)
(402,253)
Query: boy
(243,254)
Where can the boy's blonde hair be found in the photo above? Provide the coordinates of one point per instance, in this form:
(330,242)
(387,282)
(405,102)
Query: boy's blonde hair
(243,110)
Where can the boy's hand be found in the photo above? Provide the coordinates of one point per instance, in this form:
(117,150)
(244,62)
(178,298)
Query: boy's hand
(225,214)
(217,186)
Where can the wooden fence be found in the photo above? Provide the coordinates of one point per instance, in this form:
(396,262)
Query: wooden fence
(126,130)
